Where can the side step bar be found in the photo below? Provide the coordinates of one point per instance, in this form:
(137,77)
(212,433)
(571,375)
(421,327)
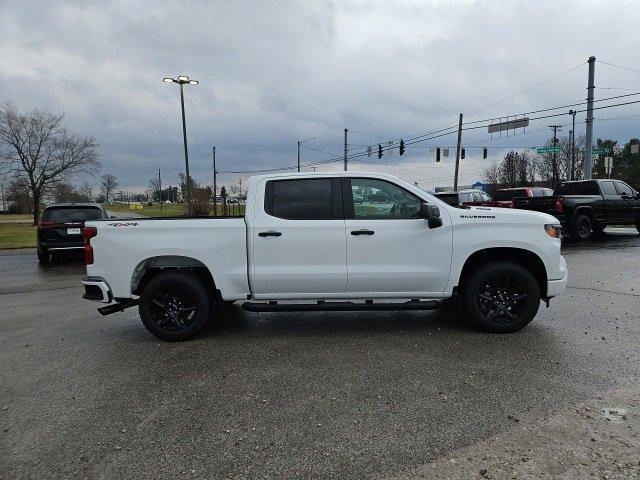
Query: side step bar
(323,306)
(118,306)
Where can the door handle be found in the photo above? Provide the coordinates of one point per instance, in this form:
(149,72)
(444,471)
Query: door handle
(270,233)
(362,232)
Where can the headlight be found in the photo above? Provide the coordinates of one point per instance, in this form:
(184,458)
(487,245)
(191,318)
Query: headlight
(553,230)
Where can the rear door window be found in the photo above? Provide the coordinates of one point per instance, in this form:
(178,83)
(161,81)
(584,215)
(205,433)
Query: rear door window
(304,199)
(71,214)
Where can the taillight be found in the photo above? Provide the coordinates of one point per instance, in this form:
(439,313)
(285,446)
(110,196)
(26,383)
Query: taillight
(559,205)
(89,233)
(45,225)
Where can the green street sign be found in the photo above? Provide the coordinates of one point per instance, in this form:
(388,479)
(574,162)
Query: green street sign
(600,151)
(548,150)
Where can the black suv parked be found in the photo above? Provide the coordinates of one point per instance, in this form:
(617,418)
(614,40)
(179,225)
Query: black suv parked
(61,227)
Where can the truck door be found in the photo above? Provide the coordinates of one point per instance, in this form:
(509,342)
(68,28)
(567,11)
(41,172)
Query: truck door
(629,203)
(297,245)
(613,203)
(391,252)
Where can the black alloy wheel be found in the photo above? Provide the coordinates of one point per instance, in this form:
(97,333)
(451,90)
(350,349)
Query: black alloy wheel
(500,297)
(503,298)
(175,305)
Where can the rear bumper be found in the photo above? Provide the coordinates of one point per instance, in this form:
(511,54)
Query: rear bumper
(54,246)
(557,286)
(96,289)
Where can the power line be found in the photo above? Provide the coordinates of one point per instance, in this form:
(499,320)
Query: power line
(529,88)
(619,66)
(582,102)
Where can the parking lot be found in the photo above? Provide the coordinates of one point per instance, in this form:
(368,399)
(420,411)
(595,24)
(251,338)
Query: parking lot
(322,395)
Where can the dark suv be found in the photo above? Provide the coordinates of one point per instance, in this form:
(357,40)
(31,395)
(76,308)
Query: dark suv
(61,227)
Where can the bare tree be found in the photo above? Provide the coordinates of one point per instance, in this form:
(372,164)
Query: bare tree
(509,170)
(108,185)
(154,189)
(19,194)
(37,146)
(85,191)
(491,173)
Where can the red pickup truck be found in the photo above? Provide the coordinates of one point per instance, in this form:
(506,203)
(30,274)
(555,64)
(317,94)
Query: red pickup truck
(504,197)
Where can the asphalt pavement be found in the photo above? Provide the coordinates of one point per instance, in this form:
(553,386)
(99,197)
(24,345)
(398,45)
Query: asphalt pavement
(315,395)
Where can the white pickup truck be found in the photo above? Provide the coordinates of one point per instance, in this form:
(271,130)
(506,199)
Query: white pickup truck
(327,242)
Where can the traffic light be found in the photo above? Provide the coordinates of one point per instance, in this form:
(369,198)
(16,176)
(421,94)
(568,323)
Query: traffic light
(401,147)
(484,153)
(438,154)
(462,153)
(380,151)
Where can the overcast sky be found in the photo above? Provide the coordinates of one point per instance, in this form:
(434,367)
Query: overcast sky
(273,72)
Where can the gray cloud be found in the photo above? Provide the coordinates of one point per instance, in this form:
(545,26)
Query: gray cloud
(273,72)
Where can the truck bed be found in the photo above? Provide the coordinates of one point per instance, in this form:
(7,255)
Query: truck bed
(220,243)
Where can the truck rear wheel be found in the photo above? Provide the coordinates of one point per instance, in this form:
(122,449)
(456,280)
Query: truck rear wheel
(501,297)
(582,228)
(175,306)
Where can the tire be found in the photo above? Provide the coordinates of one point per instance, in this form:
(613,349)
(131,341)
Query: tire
(175,306)
(43,257)
(488,297)
(582,228)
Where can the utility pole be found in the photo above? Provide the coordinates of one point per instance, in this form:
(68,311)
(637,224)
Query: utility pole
(4,208)
(160,188)
(215,183)
(588,157)
(345,149)
(555,155)
(455,178)
(573,145)
(298,155)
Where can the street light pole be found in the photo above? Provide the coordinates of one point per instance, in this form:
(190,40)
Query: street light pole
(300,143)
(186,151)
(181,80)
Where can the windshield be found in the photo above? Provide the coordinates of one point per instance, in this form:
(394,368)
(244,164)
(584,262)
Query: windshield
(71,214)
(510,194)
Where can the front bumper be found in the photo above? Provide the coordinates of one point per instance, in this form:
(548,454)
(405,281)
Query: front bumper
(96,289)
(556,287)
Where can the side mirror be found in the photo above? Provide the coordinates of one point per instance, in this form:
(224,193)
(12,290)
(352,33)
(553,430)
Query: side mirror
(432,214)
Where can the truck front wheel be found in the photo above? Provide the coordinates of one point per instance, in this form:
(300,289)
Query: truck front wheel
(174,306)
(501,297)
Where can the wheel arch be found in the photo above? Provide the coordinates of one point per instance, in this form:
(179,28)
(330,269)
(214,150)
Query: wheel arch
(153,266)
(523,257)
(584,210)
